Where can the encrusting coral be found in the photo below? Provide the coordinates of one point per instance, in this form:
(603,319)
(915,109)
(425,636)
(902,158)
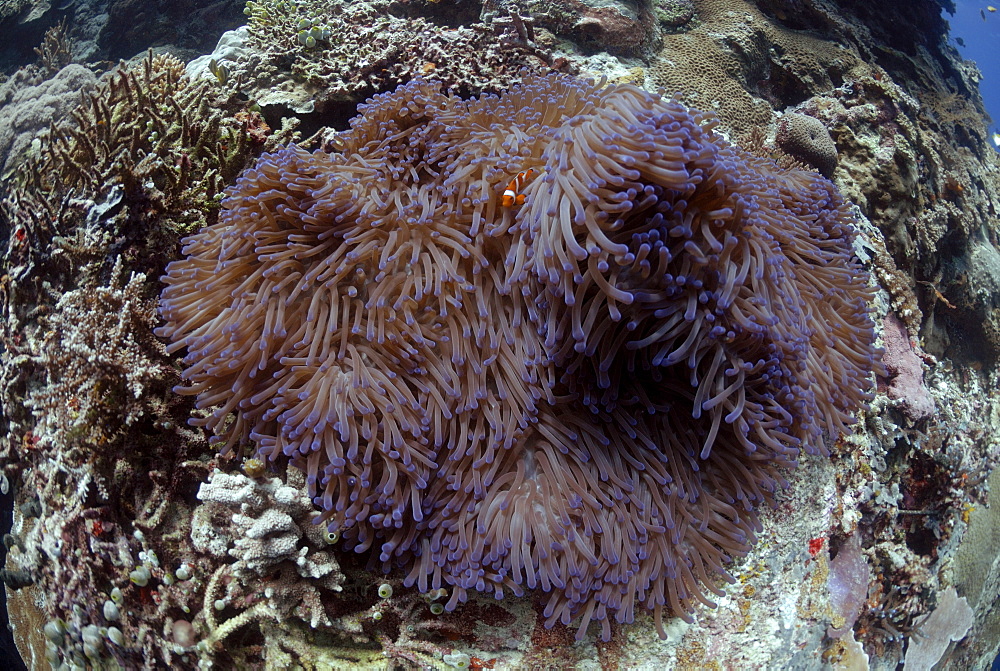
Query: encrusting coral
(586,394)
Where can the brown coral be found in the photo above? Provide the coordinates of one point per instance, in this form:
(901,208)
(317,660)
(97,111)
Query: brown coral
(807,139)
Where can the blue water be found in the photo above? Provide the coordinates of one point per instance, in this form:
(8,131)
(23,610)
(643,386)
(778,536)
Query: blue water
(981,40)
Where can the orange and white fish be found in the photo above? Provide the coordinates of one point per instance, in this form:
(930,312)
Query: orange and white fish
(513,196)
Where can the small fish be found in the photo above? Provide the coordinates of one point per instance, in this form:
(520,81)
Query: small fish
(960,41)
(982,14)
(996,139)
(991,8)
(513,196)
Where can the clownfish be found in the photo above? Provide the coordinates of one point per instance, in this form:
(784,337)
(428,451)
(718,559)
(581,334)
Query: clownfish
(513,196)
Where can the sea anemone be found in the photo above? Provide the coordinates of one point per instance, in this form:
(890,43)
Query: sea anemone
(586,394)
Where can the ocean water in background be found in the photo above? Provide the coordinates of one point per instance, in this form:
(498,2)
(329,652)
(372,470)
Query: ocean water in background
(979,39)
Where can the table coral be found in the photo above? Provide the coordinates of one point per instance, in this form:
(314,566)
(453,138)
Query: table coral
(588,394)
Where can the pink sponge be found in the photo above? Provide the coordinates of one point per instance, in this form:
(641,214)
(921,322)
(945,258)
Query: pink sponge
(906,373)
(848,584)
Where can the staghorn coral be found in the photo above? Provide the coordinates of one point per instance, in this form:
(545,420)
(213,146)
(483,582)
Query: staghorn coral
(141,160)
(54,51)
(588,394)
(151,129)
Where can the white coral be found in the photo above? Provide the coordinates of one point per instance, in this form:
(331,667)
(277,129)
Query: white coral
(265,526)
(260,523)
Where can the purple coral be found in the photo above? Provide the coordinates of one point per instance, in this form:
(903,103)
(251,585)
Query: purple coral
(587,394)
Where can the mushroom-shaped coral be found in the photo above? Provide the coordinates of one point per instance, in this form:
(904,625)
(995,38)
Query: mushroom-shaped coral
(587,393)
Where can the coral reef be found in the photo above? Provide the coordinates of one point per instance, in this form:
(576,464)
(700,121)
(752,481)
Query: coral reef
(262,515)
(283,564)
(673,14)
(311,55)
(977,577)
(145,147)
(745,64)
(702,305)
(110,506)
(102,389)
(86,387)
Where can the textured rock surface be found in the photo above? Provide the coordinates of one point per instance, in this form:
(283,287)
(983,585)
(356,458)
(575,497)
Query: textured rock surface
(977,576)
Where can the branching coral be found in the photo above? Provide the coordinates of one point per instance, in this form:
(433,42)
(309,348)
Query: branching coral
(145,147)
(351,50)
(96,357)
(146,124)
(84,380)
(102,375)
(587,394)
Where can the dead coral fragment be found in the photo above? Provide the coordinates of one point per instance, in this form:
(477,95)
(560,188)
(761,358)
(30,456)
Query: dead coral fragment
(586,394)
